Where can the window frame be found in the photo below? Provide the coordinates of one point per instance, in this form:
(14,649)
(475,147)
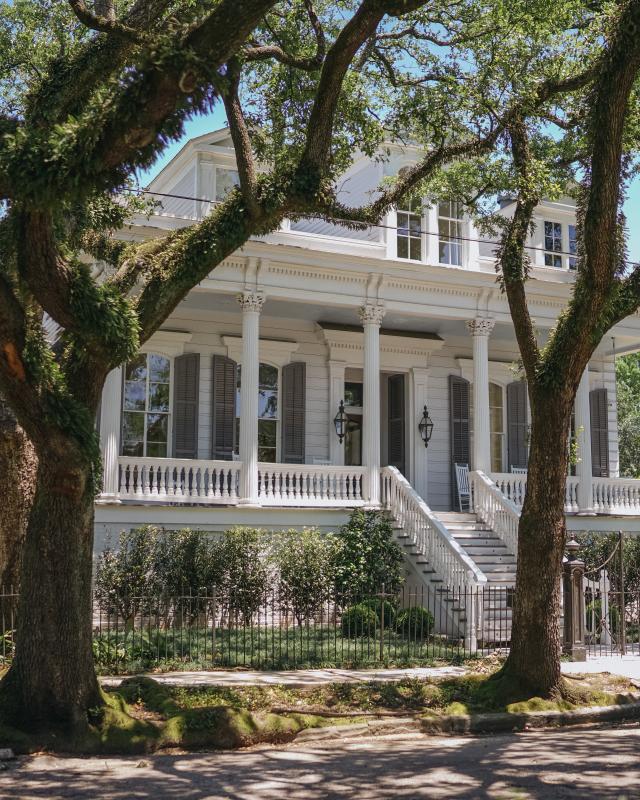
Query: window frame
(457,242)
(169,414)
(410,212)
(218,168)
(278,418)
(553,253)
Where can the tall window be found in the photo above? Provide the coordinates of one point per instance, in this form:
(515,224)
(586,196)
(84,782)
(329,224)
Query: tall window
(450,232)
(552,244)
(496,415)
(145,406)
(226,180)
(573,247)
(409,240)
(268,413)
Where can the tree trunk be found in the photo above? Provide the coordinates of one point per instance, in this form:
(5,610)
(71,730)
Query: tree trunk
(17,484)
(534,657)
(52,681)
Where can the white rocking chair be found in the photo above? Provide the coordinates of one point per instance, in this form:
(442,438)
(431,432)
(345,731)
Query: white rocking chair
(462,484)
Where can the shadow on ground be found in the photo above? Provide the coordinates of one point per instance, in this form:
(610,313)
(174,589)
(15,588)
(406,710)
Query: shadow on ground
(589,764)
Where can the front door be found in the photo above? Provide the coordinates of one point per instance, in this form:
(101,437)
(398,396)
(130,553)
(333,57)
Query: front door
(395,422)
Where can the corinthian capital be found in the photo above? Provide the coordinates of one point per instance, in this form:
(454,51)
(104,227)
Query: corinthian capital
(480,327)
(251,301)
(371,314)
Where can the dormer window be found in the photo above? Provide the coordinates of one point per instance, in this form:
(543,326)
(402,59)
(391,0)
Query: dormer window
(552,244)
(410,231)
(450,232)
(226,180)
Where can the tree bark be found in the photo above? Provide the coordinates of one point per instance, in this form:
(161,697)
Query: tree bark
(17,484)
(534,657)
(52,682)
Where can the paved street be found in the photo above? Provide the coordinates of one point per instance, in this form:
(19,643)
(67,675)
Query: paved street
(586,764)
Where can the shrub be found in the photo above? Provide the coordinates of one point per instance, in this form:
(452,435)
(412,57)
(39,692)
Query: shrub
(385,607)
(304,560)
(126,578)
(366,556)
(243,552)
(186,561)
(359,620)
(415,623)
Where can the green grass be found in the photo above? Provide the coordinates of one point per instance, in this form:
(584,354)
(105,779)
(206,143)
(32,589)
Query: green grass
(265,648)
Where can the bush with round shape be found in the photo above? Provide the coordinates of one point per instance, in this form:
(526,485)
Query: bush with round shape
(359,620)
(415,623)
(387,608)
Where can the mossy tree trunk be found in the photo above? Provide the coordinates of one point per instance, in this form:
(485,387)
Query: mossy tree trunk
(17,484)
(52,679)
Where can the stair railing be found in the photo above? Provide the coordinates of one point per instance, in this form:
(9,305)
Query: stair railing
(430,536)
(494,509)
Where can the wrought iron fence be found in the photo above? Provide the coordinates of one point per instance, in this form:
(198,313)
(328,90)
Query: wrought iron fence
(211,628)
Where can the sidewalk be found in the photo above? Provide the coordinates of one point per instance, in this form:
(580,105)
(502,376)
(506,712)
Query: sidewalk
(626,666)
(295,678)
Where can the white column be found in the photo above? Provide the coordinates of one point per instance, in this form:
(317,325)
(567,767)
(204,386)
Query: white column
(251,304)
(480,330)
(583,438)
(110,413)
(336,394)
(418,454)
(371,317)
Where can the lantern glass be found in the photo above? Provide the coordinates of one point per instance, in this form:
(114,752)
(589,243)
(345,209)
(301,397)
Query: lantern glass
(425,427)
(340,422)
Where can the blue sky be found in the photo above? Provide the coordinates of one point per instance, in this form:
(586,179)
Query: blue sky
(217,119)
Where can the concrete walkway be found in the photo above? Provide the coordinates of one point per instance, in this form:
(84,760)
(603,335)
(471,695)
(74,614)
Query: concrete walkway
(626,666)
(301,677)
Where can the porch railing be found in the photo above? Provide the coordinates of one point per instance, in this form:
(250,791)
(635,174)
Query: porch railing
(178,480)
(514,487)
(305,485)
(616,496)
(493,507)
(448,559)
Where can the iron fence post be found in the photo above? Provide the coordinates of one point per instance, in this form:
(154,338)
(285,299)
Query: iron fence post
(574,607)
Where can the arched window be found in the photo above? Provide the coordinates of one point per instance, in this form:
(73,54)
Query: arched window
(146,406)
(268,412)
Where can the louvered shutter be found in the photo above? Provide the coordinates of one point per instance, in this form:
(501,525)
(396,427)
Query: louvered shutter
(294,394)
(599,412)
(459,426)
(396,436)
(186,385)
(517,449)
(223,407)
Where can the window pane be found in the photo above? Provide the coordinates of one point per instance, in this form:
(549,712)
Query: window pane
(136,370)
(416,249)
(414,225)
(267,403)
(403,223)
(496,452)
(159,397)
(266,433)
(157,449)
(267,454)
(134,398)
(133,448)
(132,431)
(353,394)
(403,247)
(159,368)
(157,427)
(268,377)
(226,180)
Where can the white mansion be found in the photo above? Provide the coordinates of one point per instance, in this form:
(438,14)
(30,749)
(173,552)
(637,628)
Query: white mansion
(228,415)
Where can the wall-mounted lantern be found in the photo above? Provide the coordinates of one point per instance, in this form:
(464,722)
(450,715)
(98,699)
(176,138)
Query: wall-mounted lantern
(425,427)
(340,422)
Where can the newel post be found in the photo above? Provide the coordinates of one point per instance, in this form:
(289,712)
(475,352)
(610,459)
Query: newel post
(574,608)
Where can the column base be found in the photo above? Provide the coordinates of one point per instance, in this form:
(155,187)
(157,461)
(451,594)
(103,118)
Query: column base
(247,502)
(586,512)
(108,499)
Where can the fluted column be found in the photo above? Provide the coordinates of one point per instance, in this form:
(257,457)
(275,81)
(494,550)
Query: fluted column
(371,317)
(110,413)
(480,330)
(251,304)
(584,469)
